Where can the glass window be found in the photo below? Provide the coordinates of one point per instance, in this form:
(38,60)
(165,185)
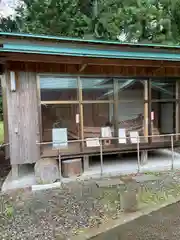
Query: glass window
(131,118)
(130,90)
(58,88)
(96,116)
(163,121)
(163,89)
(97,89)
(60,116)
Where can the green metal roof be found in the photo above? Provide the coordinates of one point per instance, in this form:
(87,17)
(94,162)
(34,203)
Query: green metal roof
(83,48)
(71,39)
(86,51)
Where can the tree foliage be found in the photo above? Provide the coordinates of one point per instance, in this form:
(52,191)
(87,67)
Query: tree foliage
(126,20)
(7,24)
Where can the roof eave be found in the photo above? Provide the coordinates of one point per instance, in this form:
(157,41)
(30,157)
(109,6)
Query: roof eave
(80,40)
(122,55)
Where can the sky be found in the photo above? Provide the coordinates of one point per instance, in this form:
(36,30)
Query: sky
(7,7)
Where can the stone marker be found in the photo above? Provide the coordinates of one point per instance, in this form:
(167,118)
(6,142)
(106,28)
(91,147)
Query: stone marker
(46,171)
(129,201)
(72,168)
(128,198)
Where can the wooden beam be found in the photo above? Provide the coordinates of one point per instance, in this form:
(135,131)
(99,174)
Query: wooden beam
(105,70)
(82,67)
(97,101)
(81,112)
(58,102)
(149,111)
(22,57)
(116,108)
(177,121)
(146,119)
(39,108)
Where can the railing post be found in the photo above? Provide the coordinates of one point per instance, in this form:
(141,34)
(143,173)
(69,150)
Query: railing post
(172,149)
(101,157)
(138,154)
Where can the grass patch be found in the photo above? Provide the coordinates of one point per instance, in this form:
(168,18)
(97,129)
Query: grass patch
(1,132)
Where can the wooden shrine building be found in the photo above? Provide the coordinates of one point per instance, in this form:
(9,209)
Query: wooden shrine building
(62,95)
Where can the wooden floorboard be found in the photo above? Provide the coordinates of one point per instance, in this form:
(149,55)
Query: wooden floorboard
(76,151)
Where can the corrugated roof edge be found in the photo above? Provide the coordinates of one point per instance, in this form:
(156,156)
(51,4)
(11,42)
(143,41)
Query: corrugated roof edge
(159,58)
(56,38)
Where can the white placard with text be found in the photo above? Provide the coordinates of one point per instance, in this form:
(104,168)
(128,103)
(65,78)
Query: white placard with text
(59,137)
(134,136)
(122,135)
(92,142)
(106,132)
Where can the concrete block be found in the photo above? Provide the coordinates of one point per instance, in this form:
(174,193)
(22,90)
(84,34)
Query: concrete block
(72,167)
(86,163)
(144,157)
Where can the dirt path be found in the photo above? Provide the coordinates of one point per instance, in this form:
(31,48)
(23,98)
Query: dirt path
(161,225)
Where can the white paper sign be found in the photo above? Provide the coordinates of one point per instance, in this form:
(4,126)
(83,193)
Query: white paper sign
(134,136)
(122,135)
(152,116)
(92,142)
(77,118)
(106,132)
(13,81)
(59,137)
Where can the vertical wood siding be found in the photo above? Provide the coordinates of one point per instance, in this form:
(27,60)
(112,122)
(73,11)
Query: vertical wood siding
(5,115)
(23,117)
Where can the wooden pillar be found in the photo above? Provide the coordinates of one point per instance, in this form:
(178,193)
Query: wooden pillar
(81,112)
(39,109)
(116,109)
(23,118)
(177,121)
(149,112)
(146,110)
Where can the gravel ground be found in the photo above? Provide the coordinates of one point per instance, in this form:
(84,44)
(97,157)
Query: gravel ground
(52,214)
(161,225)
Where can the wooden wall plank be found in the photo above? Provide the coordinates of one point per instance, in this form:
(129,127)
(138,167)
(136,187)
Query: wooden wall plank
(5,115)
(23,120)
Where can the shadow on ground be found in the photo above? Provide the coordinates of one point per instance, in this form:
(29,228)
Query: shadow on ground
(4,168)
